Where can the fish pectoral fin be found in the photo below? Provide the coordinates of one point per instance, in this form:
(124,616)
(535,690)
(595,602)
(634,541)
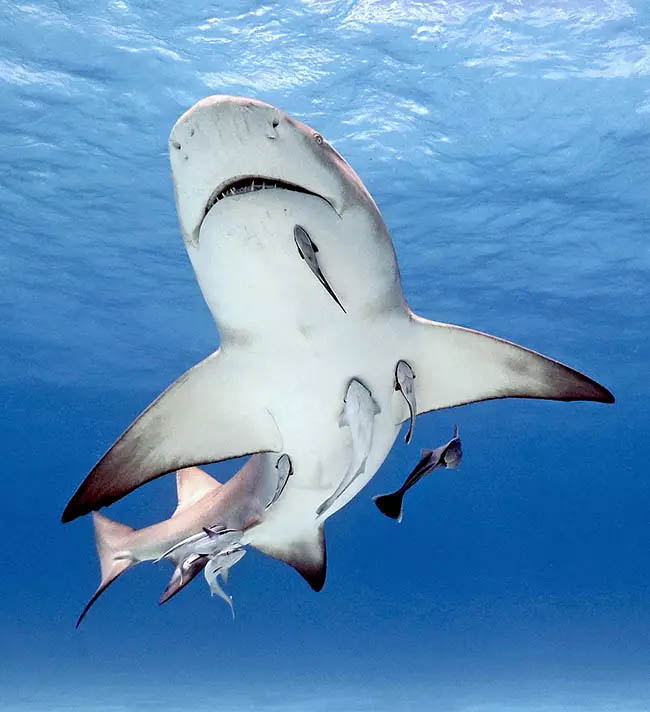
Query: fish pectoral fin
(455,366)
(211,413)
(307,555)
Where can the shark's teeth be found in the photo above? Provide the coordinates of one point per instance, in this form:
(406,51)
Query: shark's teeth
(251,184)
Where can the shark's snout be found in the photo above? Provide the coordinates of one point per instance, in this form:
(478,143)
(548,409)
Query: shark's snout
(226,145)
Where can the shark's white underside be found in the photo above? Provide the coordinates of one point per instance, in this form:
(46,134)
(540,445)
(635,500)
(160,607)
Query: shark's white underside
(288,352)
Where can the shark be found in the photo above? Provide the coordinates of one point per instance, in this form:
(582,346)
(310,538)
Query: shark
(299,272)
(205,533)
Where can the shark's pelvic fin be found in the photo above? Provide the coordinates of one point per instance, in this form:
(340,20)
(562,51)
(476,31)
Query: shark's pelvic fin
(307,555)
(186,425)
(192,483)
(457,366)
(111,538)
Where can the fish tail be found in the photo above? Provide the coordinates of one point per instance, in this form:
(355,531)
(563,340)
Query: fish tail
(390,504)
(111,539)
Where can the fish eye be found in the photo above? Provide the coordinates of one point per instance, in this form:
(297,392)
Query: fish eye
(318,138)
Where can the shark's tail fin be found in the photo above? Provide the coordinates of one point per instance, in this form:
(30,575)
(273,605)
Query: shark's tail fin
(111,540)
(390,504)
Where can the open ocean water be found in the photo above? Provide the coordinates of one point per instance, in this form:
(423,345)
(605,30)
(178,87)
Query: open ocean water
(507,145)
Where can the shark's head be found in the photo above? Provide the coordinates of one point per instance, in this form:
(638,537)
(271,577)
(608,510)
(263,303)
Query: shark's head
(226,145)
(249,182)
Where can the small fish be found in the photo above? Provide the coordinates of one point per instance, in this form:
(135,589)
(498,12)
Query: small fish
(285,470)
(307,249)
(192,540)
(216,543)
(359,412)
(218,566)
(404,378)
(448,455)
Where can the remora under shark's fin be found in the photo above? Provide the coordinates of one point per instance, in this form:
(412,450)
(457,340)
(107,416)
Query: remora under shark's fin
(455,366)
(111,539)
(209,414)
(308,556)
(184,572)
(192,483)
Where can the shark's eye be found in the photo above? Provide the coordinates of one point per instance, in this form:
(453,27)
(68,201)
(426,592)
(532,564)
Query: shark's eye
(318,138)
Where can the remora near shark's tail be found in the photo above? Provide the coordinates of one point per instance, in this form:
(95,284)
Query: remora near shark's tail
(111,540)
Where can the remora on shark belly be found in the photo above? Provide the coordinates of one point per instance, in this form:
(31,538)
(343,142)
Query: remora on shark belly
(245,176)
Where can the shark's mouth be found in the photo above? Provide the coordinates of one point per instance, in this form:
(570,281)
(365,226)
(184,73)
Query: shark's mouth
(251,184)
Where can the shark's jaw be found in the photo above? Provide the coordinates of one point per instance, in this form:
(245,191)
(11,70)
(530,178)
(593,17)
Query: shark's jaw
(240,185)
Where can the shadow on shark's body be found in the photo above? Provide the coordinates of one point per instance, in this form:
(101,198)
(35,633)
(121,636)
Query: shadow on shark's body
(297,326)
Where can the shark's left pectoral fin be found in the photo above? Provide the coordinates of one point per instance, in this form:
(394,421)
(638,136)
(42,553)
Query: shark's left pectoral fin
(210,413)
(455,366)
(307,555)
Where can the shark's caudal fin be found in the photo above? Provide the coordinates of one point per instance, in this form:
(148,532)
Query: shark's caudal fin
(307,555)
(111,540)
(390,504)
(454,366)
(209,414)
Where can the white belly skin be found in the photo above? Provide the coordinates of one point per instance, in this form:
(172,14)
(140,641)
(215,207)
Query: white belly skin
(293,344)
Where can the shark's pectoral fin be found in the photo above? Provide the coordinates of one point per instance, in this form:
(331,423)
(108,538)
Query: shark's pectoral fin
(210,413)
(307,555)
(184,572)
(455,366)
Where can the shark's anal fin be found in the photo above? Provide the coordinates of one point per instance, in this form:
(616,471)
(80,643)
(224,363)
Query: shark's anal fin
(307,555)
(111,539)
(456,366)
(210,413)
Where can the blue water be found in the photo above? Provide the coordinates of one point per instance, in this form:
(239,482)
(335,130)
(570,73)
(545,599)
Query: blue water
(508,147)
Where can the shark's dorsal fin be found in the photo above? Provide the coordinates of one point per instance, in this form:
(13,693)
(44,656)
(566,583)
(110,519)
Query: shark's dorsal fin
(192,483)
(307,555)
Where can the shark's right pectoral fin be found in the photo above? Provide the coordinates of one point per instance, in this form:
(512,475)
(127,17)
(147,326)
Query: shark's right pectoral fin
(210,413)
(454,366)
(307,555)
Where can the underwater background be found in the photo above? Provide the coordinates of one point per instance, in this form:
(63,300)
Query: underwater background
(507,145)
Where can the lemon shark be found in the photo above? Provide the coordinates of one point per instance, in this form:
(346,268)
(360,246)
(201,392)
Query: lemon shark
(299,272)
(205,533)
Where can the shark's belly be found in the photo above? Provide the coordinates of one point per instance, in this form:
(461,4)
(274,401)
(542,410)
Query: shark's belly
(306,387)
(292,341)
